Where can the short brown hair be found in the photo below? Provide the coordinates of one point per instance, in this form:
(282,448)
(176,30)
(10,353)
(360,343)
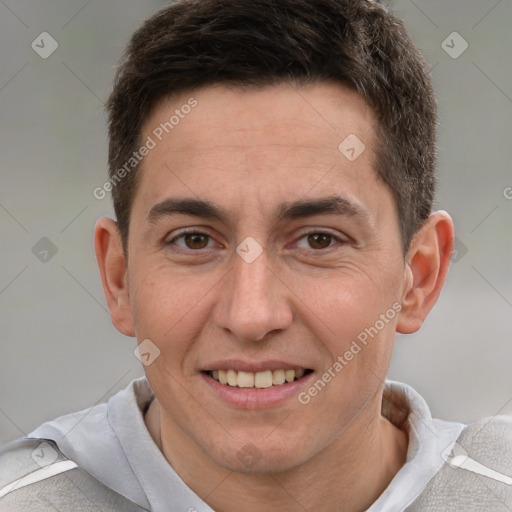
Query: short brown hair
(195,43)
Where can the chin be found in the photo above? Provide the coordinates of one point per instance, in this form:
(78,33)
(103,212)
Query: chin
(259,457)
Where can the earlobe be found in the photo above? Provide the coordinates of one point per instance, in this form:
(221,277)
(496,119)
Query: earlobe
(112,266)
(427,265)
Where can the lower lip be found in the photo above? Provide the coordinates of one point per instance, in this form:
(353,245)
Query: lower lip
(252,398)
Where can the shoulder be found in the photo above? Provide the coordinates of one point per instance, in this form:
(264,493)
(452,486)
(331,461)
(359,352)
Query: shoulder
(77,458)
(477,471)
(493,434)
(23,457)
(36,476)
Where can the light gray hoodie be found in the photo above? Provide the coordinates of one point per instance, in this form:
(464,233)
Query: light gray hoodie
(103,458)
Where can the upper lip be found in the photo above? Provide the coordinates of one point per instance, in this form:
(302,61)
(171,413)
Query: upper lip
(252,366)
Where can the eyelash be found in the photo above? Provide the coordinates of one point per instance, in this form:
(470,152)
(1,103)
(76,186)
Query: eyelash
(182,235)
(334,238)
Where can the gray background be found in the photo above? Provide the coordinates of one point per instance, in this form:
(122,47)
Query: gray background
(59,351)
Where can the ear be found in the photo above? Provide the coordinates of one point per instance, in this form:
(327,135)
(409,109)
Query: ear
(112,266)
(427,263)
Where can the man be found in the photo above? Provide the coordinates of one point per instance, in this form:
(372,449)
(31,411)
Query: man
(272,170)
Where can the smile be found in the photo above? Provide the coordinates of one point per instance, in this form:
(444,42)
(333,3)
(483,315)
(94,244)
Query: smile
(258,380)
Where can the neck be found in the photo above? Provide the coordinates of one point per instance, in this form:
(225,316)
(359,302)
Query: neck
(352,472)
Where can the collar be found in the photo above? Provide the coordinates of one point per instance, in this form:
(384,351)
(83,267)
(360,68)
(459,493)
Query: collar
(112,443)
(428,440)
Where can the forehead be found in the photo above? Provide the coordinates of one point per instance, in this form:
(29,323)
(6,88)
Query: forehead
(254,146)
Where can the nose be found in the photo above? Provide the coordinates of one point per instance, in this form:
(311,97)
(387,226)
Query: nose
(253,301)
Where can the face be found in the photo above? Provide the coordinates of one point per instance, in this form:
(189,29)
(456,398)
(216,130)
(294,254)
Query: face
(262,251)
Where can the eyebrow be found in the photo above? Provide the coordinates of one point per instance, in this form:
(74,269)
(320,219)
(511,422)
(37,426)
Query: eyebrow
(334,205)
(186,206)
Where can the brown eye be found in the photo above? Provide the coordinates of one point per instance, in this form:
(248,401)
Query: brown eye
(319,240)
(196,240)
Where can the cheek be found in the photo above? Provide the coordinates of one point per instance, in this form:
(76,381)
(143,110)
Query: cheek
(168,310)
(359,344)
(353,315)
(343,302)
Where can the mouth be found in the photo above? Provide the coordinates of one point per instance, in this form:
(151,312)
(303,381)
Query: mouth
(257,380)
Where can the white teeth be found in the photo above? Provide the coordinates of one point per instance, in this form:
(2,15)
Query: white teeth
(263,379)
(289,375)
(223,377)
(245,379)
(232,378)
(278,377)
(258,380)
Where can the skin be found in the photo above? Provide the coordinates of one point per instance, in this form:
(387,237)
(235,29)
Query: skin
(303,300)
